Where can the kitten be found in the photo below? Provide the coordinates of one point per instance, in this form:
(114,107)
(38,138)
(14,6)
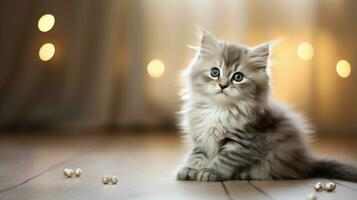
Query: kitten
(237,130)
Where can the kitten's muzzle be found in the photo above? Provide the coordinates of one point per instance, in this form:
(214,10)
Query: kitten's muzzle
(223,86)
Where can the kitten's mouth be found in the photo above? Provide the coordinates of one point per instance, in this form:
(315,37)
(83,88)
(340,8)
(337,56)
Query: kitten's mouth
(222,92)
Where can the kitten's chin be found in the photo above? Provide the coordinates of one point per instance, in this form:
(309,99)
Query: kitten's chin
(222,98)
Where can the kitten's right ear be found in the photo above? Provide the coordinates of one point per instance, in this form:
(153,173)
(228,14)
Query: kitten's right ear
(208,43)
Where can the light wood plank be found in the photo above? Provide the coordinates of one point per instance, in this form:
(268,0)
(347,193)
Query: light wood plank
(299,189)
(242,190)
(145,167)
(289,189)
(347,184)
(24,157)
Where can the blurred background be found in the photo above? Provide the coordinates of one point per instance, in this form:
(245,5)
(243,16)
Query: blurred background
(115,64)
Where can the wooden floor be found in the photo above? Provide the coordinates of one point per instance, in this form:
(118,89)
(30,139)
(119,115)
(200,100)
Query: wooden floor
(31,167)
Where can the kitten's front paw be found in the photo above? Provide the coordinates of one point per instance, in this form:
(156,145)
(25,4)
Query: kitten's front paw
(186,173)
(208,174)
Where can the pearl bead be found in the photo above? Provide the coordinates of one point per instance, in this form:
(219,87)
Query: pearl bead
(65,171)
(68,172)
(311,196)
(114,180)
(319,187)
(78,172)
(330,186)
(106,179)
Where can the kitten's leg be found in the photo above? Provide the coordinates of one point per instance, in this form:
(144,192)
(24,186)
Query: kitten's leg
(225,164)
(197,160)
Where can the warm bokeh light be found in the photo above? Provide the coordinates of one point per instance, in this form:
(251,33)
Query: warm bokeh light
(46,22)
(47,51)
(343,68)
(305,51)
(156,68)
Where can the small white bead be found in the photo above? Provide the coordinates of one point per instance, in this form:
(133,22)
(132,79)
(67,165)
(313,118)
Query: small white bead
(78,172)
(65,171)
(71,172)
(319,187)
(311,196)
(106,179)
(68,172)
(114,180)
(330,186)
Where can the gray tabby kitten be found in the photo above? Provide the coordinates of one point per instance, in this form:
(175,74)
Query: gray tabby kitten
(237,130)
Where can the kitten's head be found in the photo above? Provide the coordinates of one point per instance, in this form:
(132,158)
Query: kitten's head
(229,73)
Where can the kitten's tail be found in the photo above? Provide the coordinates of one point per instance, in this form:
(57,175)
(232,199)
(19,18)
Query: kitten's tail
(333,169)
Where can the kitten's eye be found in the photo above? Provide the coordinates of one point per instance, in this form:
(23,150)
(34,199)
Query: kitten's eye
(215,72)
(238,77)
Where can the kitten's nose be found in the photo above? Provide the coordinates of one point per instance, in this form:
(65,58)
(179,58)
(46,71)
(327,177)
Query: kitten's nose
(223,86)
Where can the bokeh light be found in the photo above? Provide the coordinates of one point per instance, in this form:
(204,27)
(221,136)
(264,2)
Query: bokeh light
(156,68)
(47,51)
(46,22)
(343,68)
(305,51)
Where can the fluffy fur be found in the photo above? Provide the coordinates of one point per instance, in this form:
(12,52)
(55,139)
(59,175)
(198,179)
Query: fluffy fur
(241,132)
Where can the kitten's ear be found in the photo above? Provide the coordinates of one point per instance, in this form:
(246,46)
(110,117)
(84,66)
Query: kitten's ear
(208,43)
(259,55)
(261,51)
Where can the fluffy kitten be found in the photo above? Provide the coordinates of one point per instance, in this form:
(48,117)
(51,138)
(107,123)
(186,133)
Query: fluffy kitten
(237,130)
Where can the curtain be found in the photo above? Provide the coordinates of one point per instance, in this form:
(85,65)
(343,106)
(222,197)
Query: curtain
(75,88)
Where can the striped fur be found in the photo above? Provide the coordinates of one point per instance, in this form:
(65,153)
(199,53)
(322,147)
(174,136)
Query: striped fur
(242,132)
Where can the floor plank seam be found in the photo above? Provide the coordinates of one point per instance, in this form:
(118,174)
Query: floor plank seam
(341,184)
(48,169)
(227,192)
(33,177)
(260,190)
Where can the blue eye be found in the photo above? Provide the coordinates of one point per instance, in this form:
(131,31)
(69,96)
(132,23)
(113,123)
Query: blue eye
(238,77)
(215,72)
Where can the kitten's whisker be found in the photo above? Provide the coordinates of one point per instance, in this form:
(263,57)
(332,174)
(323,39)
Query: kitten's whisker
(194,47)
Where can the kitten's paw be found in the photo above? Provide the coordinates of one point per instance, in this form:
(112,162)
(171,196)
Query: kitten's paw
(208,174)
(186,173)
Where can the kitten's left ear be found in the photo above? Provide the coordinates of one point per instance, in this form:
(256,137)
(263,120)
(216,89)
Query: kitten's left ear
(262,50)
(259,55)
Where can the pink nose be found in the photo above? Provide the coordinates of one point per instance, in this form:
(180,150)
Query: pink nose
(223,86)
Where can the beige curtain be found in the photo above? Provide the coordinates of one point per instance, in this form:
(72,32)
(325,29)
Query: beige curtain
(75,88)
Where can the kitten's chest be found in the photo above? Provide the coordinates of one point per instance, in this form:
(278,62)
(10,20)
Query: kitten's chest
(209,127)
(214,121)
(210,122)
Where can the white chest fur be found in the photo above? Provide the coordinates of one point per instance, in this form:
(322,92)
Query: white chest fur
(208,126)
